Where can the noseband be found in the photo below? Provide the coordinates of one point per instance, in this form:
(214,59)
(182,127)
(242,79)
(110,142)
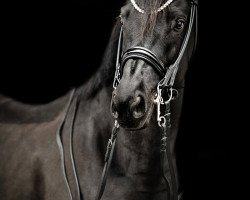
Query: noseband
(166,83)
(136,52)
(143,54)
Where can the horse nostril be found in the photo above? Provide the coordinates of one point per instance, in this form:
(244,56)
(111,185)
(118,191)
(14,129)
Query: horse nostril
(138,107)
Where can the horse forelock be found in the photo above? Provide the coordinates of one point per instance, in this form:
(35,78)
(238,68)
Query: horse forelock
(149,18)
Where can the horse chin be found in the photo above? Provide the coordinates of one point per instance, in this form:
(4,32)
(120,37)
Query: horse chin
(139,124)
(136,128)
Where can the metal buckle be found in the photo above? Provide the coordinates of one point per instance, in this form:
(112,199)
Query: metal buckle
(162,119)
(117,77)
(108,151)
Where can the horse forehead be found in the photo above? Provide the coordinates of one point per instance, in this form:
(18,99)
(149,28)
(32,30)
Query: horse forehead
(149,27)
(157,5)
(176,8)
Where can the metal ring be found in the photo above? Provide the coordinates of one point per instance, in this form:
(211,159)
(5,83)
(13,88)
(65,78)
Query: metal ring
(162,123)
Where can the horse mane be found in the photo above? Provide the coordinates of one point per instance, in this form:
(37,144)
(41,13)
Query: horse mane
(149,18)
(105,74)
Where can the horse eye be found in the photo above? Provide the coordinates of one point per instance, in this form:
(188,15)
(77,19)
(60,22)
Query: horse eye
(179,24)
(124,14)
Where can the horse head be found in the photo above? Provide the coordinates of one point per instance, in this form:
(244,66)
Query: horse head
(151,38)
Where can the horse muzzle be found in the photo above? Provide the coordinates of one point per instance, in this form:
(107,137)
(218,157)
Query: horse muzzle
(131,111)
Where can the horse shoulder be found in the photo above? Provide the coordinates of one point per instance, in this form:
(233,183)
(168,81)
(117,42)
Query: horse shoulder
(28,149)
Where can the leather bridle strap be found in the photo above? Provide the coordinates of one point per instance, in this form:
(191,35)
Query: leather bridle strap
(169,77)
(72,123)
(168,81)
(71,107)
(60,145)
(146,55)
(107,160)
(195,2)
(136,52)
(165,155)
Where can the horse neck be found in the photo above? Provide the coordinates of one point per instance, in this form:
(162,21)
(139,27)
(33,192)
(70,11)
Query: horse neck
(95,95)
(93,121)
(137,154)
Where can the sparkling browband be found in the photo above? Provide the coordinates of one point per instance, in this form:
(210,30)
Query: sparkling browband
(158,10)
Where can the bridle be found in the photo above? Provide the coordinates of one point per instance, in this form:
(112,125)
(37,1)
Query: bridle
(165,85)
(163,105)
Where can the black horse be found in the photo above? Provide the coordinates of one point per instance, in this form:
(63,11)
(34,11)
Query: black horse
(57,150)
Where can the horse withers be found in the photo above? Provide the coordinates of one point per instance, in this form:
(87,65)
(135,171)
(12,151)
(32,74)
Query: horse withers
(56,151)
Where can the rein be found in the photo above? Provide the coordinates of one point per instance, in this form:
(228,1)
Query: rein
(71,106)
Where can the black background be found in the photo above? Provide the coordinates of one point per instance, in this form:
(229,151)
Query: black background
(49,47)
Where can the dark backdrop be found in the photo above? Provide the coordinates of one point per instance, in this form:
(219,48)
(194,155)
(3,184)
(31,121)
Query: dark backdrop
(49,47)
